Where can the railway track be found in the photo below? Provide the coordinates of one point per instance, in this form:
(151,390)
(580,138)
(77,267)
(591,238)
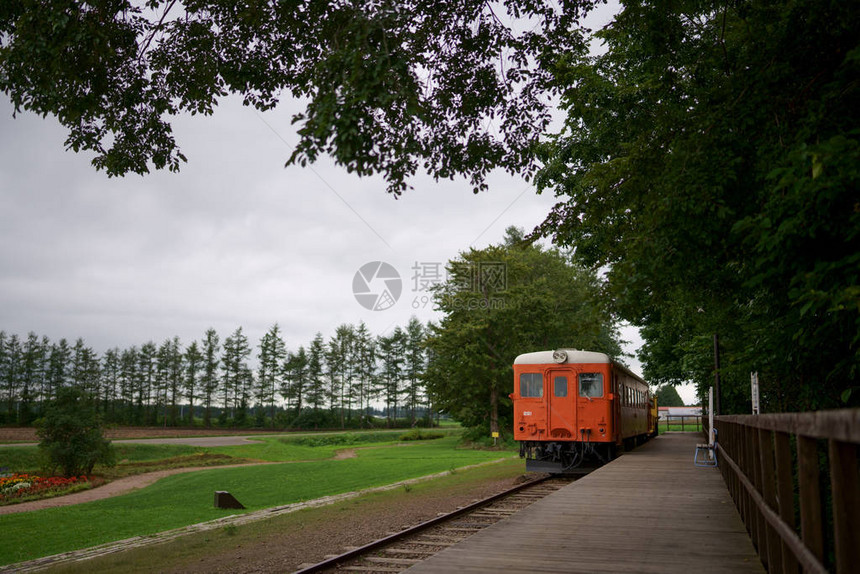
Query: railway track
(399,551)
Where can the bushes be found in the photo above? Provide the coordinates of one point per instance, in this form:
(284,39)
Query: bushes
(72,438)
(345,439)
(419,434)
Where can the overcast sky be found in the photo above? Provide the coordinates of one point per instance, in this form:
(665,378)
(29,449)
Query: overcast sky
(234,239)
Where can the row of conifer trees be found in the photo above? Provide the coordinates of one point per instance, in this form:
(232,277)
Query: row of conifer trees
(327,383)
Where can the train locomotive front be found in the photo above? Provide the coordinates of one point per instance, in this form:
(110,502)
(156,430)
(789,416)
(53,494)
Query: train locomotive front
(572,406)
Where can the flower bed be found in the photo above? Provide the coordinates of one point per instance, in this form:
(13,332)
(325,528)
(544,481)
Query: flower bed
(13,486)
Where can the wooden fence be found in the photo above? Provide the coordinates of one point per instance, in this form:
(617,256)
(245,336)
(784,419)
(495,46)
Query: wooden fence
(686,422)
(795,478)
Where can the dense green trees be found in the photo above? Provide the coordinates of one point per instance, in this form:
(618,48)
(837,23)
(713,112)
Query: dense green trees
(500,302)
(667,396)
(710,161)
(336,384)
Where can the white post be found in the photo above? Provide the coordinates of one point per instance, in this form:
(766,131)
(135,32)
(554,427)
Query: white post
(754,393)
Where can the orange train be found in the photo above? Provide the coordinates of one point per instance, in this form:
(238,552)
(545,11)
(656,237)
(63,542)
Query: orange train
(571,406)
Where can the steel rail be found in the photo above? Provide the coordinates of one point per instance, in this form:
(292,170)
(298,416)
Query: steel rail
(355,553)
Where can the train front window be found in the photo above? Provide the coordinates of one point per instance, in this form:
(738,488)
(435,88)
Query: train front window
(591,385)
(531,385)
(560,386)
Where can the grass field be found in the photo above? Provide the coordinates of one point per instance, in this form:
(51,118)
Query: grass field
(194,552)
(686,427)
(185,499)
(134,458)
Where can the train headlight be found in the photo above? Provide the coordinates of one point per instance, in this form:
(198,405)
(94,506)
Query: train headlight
(559,356)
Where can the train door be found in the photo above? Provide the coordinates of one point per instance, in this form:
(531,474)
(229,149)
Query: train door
(595,403)
(561,394)
(530,408)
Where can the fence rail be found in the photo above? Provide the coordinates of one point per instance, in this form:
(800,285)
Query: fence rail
(686,422)
(799,498)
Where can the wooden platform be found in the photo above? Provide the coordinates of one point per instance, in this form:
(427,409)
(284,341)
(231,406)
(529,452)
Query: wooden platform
(650,510)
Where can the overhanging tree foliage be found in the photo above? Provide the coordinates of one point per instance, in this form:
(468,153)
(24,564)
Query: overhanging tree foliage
(391,86)
(500,302)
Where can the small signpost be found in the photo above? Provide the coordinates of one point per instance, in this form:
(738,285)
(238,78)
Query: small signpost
(224,499)
(754,392)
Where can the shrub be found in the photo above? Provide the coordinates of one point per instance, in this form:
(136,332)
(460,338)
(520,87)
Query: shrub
(418,434)
(72,437)
(344,439)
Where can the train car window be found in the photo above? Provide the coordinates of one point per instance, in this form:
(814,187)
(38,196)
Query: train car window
(560,386)
(531,385)
(590,384)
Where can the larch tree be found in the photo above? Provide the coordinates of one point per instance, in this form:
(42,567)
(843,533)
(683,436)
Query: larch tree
(315,389)
(210,377)
(272,353)
(191,378)
(415,365)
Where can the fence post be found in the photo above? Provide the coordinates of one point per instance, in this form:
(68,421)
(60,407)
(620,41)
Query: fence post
(845,482)
(810,496)
(768,490)
(785,495)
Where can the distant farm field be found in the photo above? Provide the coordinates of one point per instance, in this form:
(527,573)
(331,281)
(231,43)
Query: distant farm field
(185,499)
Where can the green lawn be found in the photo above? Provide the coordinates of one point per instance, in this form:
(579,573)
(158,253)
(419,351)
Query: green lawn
(274,448)
(188,498)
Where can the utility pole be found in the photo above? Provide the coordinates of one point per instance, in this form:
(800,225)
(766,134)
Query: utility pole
(716,374)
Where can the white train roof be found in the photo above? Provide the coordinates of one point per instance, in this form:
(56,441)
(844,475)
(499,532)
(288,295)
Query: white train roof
(573,356)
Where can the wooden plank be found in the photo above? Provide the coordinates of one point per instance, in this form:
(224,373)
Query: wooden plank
(761,523)
(615,520)
(811,523)
(809,563)
(768,491)
(845,481)
(838,424)
(749,466)
(785,495)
